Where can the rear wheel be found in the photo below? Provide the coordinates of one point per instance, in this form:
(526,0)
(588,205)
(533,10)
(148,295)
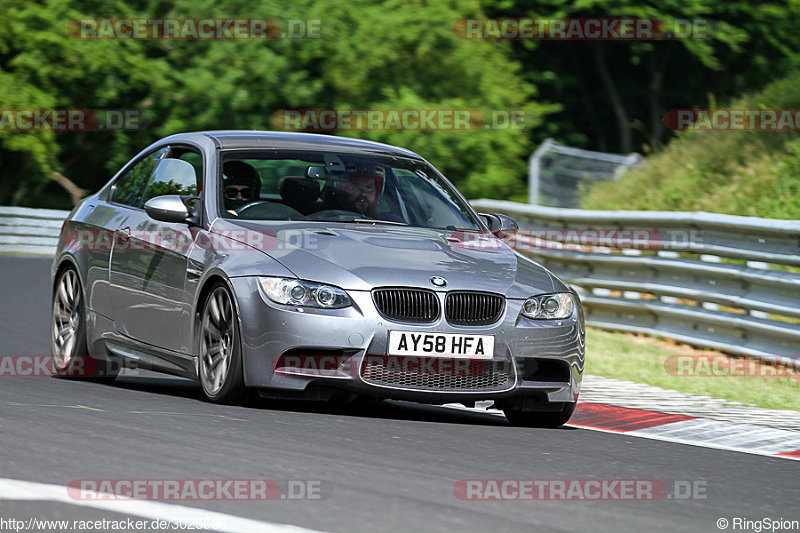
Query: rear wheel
(71,357)
(221,373)
(540,419)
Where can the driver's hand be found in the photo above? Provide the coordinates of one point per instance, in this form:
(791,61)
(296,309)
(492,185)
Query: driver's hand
(232,212)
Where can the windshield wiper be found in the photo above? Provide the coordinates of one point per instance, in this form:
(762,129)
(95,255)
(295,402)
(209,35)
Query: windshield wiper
(358,221)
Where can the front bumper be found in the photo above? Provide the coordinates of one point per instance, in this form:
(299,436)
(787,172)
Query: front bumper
(532,349)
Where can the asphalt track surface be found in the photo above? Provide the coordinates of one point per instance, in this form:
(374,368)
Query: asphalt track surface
(383,466)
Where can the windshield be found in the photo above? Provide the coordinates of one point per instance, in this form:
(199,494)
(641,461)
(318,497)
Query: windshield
(338,187)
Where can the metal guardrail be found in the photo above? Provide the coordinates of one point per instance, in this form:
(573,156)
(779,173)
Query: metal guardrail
(679,286)
(555,172)
(719,281)
(30,231)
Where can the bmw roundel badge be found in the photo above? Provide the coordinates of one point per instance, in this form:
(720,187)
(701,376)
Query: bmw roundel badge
(438,281)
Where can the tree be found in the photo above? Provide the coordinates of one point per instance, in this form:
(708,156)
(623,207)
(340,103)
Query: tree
(615,93)
(390,55)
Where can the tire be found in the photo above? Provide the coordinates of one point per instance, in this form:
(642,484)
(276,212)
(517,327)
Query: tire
(540,419)
(68,344)
(220,351)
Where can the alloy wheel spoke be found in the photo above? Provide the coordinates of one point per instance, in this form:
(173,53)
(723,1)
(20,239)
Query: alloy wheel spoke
(69,282)
(62,295)
(213,361)
(218,361)
(226,311)
(215,313)
(222,371)
(217,380)
(69,342)
(213,329)
(64,330)
(76,301)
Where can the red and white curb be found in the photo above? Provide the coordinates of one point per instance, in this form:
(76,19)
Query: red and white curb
(720,434)
(596,389)
(639,410)
(671,427)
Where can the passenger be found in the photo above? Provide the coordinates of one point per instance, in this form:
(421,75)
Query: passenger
(362,192)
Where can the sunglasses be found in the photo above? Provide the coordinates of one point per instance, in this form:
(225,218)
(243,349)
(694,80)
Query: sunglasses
(232,192)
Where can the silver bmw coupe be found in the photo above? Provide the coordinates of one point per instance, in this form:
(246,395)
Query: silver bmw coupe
(310,266)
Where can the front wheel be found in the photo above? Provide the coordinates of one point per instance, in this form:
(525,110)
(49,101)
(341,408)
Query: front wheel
(540,419)
(220,354)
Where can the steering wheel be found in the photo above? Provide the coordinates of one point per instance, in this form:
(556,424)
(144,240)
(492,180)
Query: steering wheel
(264,209)
(245,207)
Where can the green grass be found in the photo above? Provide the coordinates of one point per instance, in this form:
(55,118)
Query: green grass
(618,355)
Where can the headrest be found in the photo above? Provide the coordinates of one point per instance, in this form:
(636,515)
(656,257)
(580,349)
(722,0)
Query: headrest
(298,190)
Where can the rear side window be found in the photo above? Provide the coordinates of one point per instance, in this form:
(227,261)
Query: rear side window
(129,188)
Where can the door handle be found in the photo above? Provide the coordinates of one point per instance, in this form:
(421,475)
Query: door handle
(194,273)
(124,235)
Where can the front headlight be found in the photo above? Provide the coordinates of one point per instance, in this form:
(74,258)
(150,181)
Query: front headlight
(304,293)
(549,306)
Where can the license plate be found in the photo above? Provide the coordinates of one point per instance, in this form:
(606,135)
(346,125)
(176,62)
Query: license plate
(441,345)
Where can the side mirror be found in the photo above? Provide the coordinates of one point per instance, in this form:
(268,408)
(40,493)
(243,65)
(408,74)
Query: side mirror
(502,226)
(167,208)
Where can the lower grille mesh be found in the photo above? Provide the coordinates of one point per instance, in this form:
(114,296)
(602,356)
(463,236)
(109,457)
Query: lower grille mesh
(437,374)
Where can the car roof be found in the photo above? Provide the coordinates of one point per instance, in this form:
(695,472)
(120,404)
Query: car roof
(243,139)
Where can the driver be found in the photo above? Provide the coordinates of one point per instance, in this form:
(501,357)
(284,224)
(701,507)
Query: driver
(241,185)
(363,191)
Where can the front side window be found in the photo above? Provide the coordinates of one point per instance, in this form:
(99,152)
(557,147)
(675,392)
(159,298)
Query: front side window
(129,188)
(339,187)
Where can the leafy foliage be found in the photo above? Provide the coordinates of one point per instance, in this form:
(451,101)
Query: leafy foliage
(389,55)
(735,47)
(385,54)
(736,172)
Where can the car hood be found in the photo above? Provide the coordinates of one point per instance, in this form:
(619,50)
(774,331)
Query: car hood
(361,257)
